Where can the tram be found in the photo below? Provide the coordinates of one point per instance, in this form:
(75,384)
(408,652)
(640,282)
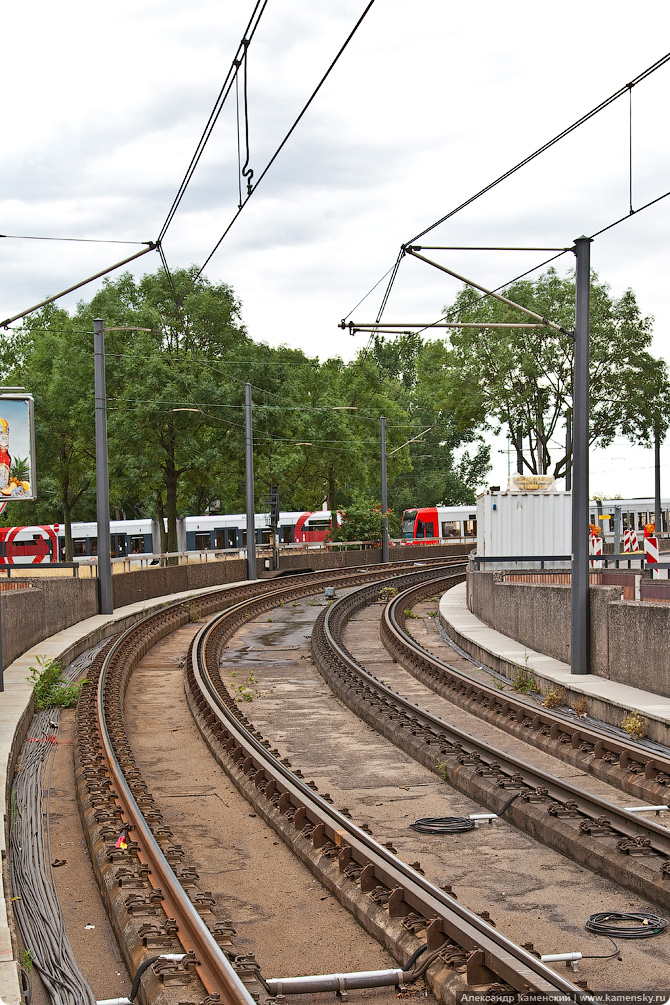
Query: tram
(427,524)
(141,538)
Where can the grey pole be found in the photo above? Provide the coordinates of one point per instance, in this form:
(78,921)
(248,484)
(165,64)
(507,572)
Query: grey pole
(251,510)
(568,463)
(617,532)
(580,635)
(102,471)
(657,478)
(385,519)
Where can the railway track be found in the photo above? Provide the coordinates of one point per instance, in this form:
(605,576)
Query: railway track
(633,851)
(155,896)
(634,767)
(151,895)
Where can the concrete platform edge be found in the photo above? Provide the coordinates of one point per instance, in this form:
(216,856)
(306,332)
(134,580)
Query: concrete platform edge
(607,700)
(16,712)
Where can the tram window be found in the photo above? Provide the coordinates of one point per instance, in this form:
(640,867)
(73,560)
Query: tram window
(642,520)
(420,528)
(203,541)
(219,538)
(451,528)
(624,521)
(137,545)
(317,523)
(118,543)
(79,547)
(287,534)
(265,536)
(470,527)
(430,529)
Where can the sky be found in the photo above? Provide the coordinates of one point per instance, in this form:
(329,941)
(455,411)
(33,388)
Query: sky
(104,105)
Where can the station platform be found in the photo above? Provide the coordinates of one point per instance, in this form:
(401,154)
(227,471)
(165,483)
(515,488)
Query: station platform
(15,716)
(606,699)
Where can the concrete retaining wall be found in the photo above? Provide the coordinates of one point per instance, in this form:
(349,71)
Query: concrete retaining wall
(629,639)
(52,604)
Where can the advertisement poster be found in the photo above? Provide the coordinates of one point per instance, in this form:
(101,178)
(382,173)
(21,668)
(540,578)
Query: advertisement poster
(17,448)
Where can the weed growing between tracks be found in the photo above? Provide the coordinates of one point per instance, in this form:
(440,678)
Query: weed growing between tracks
(50,688)
(554,697)
(524,682)
(635,725)
(248,689)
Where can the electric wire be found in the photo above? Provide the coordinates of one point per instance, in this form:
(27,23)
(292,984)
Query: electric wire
(286,138)
(84,240)
(627,88)
(550,143)
(453,825)
(34,897)
(231,76)
(613,923)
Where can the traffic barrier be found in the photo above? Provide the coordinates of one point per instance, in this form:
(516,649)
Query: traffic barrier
(650,549)
(595,548)
(629,541)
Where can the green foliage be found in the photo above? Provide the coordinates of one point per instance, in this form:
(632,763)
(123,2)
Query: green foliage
(360,521)
(388,592)
(635,725)
(49,688)
(524,682)
(26,960)
(522,378)
(248,690)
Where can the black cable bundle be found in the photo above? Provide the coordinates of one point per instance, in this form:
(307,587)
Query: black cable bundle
(443,825)
(646,925)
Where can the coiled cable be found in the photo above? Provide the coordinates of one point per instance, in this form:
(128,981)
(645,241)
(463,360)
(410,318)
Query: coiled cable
(453,825)
(613,925)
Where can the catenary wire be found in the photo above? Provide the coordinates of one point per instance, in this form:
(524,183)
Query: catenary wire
(286,137)
(85,240)
(231,75)
(527,160)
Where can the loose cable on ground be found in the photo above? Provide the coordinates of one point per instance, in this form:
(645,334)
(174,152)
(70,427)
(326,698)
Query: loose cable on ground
(612,923)
(453,825)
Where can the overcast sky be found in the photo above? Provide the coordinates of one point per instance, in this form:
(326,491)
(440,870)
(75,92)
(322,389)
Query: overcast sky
(104,105)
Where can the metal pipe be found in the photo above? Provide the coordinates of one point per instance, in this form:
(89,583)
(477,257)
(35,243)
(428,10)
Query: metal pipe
(657,478)
(643,809)
(251,511)
(336,982)
(102,471)
(580,633)
(474,247)
(489,293)
(373,325)
(385,519)
(84,282)
(114,1001)
(557,957)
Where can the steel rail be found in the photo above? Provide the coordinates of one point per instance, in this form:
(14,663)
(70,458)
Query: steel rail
(215,971)
(558,726)
(598,810)
(517,967)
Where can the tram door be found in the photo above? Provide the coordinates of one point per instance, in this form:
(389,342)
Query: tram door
(118,545)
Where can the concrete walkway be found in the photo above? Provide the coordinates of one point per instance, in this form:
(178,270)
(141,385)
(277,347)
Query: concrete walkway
(607,699)
(14,707)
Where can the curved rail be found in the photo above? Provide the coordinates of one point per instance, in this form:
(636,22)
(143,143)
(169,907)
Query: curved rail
(370,867)
(111,788)
(575,822)
(634,759)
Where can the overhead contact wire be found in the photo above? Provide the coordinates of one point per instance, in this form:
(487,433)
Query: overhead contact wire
(286,137)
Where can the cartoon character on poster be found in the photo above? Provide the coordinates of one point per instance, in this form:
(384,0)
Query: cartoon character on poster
(16,469)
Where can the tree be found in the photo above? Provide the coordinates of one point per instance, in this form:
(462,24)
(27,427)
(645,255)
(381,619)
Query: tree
(413,369)
(522,378)
(51,355)
(362,521)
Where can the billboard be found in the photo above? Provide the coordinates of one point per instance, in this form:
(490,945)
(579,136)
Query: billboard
(17,448)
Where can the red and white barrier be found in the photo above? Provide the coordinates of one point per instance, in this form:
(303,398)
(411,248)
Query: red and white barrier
(595,548)
(629,541)
(651,549)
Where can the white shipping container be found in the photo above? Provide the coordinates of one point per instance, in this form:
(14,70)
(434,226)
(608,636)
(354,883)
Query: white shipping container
(524,523)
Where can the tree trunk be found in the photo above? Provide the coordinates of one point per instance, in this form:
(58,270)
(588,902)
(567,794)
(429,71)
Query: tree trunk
(331,488)
(160,516)
(171,483)
(67,524)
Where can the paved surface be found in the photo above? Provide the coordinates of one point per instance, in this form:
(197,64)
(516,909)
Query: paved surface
(454,614)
